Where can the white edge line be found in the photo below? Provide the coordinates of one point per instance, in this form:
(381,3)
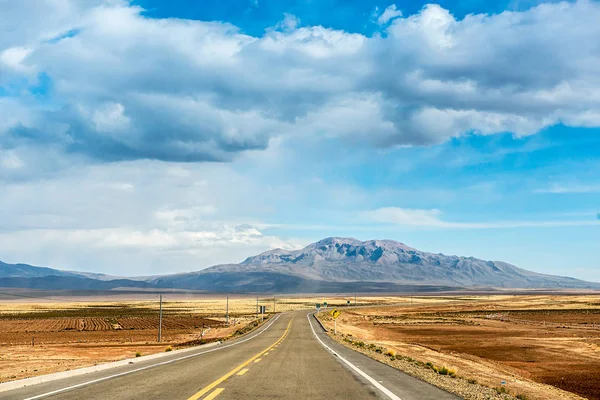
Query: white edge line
(372,381)
(39,396)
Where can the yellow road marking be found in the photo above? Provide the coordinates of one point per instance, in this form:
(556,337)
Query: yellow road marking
(267,353)
(238,368)
(242,372)
(214,394)
(257,360)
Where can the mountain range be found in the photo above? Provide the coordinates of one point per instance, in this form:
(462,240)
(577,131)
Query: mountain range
(329,265)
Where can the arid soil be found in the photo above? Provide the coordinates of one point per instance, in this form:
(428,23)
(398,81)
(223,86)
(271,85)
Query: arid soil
(41,339)
(528,342)
(43,333)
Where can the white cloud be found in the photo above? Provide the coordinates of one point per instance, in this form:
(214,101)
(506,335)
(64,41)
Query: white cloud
(172,89)
(111,118)
(389,14)
(13,58)
(432,219)
(566,189)
(137,218)
(127,89)
(404,216)
(10,160)
(289,23)
(121,251)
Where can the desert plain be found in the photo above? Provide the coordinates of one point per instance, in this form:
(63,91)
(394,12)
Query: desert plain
(542,346)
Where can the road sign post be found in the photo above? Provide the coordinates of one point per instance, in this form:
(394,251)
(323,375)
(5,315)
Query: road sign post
(335,314)
(263,310)
(160,319)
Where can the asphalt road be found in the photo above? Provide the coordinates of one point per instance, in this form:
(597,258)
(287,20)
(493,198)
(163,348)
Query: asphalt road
(288,358)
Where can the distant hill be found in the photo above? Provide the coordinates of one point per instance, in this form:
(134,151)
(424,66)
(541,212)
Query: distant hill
(53,282)
(31,277)
(375,265)
(29,271)
(329,265)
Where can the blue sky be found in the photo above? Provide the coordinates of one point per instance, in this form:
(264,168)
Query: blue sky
(159,136)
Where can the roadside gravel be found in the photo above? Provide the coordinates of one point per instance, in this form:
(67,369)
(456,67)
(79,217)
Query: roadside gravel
(457,385)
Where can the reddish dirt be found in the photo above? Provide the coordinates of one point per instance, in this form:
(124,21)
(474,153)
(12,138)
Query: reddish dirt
(566,358)
(54,330)
(61,344)
(555,347)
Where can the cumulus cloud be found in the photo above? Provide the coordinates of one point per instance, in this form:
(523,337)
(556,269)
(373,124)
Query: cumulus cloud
(126,86)
(121,251)
(388,14)
(134,218)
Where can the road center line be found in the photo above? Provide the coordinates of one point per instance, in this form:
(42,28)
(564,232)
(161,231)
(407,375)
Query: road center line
(234,371)
(372,381)
(39,396)
(242,372)
(214,394)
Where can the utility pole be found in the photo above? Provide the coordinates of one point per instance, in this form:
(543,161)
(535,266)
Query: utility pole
(160,319)
(227,310)
(354,299)
(256,307)
(273,304)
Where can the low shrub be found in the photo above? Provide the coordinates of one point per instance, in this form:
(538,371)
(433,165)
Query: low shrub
(169,349)
(521,397)
(501,390)
(138,354)
(472,381)
(391,353)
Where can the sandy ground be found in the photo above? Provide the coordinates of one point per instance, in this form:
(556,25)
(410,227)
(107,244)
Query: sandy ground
(528,342)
